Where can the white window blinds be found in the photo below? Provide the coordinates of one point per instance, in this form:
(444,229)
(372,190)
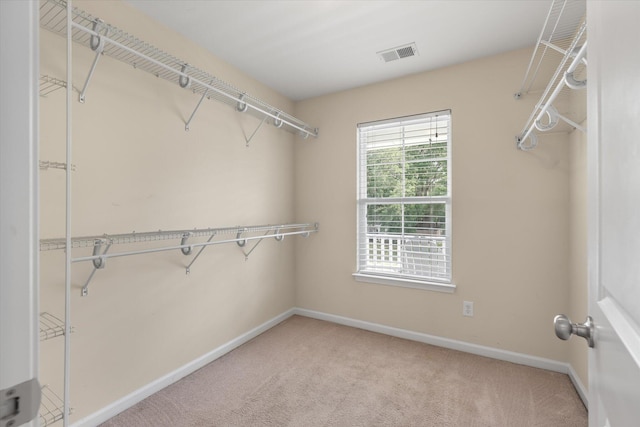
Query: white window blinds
(404,198)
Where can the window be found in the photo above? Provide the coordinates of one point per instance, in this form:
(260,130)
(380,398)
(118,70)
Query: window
(404,201)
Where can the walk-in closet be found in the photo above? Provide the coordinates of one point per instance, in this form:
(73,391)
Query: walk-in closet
(214,188)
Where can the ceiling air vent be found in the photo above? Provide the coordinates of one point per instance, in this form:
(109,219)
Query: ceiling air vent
(398,52)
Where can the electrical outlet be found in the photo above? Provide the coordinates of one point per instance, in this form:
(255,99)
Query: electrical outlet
(467,308)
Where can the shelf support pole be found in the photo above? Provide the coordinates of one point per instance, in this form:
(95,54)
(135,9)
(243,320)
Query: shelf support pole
(67,256)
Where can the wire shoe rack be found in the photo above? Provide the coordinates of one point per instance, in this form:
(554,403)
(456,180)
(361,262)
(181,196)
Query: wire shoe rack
(51,405)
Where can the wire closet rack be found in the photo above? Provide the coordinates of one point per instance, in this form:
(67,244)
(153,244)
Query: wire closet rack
(50,326)
(241,235)
(108,40)
(80,28)
(563,43)
(50,84)
(51,405)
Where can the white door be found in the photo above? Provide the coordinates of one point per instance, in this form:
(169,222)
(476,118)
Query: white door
(19,389)
(614,211)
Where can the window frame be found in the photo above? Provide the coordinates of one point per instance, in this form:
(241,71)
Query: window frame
(369,275)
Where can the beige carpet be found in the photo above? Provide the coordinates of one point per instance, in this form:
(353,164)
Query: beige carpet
(306,372)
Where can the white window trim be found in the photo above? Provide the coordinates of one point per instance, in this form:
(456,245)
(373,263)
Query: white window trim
(446,286)
(405,283)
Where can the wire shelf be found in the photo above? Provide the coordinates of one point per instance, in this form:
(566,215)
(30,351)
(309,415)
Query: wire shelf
(50,326)
(254,234)
(562,43)
(563,22)
(88,30)
(50,84)
(152,236)
(51,407)
(46,164)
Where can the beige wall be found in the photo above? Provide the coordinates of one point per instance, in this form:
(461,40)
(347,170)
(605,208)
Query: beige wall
(138,170)
(510,211)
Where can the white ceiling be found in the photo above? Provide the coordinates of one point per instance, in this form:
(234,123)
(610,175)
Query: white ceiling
(306,48)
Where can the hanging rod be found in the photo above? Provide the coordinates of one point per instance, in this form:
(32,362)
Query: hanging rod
(111,41)
(242,234)
(548,109)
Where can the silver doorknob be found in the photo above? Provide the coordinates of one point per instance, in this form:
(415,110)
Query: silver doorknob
(564,328)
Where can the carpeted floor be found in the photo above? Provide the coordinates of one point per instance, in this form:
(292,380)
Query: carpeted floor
(307,372)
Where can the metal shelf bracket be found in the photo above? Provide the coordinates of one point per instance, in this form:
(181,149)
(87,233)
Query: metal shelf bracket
(184,80)
(204,95)
(97,45)
(98,263)
(202,248)
(277,121)
(246,254)
(240,242)
(248,140)
(186,250)
(242,106)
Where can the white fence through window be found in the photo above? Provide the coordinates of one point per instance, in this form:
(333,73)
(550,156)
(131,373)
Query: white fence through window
(408,255)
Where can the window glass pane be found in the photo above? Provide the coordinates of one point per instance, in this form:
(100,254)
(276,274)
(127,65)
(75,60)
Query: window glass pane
(425,178)
(425,256)
(382,248)
(419,249)
(384,219)
(427,219)
(384,172)
(426,150)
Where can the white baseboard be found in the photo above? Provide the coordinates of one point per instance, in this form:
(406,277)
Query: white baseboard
(494,353)
(142,393)
(580,388)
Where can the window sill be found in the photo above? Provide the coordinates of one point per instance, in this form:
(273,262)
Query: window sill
(405,283)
